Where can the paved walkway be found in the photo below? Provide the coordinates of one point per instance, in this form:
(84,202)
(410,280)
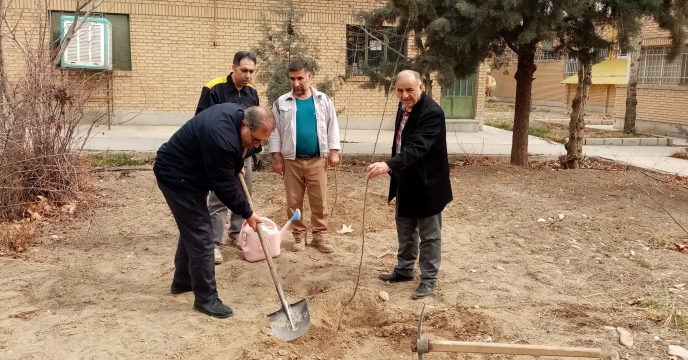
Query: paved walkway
(490,141)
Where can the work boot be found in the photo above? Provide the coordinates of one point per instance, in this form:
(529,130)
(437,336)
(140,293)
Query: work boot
(234,243)
(322,245)
(218,256)
(423,290)
(395,277)
(299,244)
(214,308)
(180,289)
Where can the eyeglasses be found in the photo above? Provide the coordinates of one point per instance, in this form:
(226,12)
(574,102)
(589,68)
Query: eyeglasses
(255,141)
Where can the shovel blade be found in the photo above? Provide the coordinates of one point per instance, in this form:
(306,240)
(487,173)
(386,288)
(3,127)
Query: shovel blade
(281,327)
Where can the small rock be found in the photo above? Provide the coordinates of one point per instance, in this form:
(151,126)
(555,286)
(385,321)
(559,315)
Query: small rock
(55,237)
(632,253)
(282,353)
(500,268)
(679,286)
(489,339)
(610,328)
(541,220)
(657,338)
(568,262)
(561,216)
(625,337)
(477,306)
(266,331)
(675,350)
(384,296)
(672,290)
(585,216)
(472,270)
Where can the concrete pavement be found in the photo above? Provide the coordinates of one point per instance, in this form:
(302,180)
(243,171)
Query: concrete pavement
(490,141)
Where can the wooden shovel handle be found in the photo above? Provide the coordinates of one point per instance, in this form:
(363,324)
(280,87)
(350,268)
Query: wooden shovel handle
(510,349)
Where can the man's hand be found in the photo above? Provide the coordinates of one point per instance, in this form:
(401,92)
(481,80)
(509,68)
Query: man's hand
(253,221)
(377,169)
(333,158)
(243,172)
(278,163)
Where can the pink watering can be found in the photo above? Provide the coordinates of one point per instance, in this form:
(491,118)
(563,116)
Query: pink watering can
(250,243)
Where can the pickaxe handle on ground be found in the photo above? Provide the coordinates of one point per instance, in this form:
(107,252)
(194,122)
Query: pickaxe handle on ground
(426,346)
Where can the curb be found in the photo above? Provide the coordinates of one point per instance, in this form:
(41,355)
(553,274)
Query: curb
(649,141)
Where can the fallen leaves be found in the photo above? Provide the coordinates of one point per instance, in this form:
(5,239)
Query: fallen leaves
(345,229)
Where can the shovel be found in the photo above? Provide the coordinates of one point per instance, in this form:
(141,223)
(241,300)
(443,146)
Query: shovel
(292,320)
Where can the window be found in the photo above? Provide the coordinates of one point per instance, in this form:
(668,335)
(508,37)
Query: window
(121,44)
(367,48)
(655,69)
(546,51)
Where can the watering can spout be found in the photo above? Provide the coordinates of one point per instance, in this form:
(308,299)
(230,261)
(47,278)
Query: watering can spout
(296,216)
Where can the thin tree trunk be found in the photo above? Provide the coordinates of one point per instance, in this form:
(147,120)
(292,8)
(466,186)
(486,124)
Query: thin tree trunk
(524,86)
(428,85)
(574,147)
(631,93)
(3,79)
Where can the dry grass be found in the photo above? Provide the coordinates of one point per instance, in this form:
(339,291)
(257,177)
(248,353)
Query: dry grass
(502,116)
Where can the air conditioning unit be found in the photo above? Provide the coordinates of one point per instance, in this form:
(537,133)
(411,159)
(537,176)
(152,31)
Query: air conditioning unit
(91,46)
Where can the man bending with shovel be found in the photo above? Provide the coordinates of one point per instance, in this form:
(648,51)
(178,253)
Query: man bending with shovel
(207,154)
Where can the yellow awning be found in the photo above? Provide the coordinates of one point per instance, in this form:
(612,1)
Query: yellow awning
(608,72)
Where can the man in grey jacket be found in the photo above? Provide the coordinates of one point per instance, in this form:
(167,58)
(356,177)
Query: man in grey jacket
(304,142)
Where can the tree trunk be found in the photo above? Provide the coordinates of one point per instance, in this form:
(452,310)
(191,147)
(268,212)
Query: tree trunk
(574,147)
(524,86)
(428,85)
(631,93)
(3,81)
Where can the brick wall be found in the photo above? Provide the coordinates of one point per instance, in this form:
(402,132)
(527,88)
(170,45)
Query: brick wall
(656,103)
(601,98)
(547,87)
(173,51)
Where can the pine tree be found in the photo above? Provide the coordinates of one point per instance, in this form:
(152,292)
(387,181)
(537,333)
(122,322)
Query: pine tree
(280,46)
(455,37)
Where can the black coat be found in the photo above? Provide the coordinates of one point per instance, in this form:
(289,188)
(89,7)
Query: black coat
(420,172)
(206,154)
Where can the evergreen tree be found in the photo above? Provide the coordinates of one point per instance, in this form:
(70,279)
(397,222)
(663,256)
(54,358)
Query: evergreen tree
(280,46)
(455,37)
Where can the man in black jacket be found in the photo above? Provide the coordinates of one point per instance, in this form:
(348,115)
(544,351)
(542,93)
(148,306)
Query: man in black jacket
(207,153)
(419,170)
(233,88)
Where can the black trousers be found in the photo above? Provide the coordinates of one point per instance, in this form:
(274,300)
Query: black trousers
(194,262)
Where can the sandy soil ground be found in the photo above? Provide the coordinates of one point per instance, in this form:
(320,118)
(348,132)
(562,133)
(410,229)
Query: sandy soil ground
(97,286)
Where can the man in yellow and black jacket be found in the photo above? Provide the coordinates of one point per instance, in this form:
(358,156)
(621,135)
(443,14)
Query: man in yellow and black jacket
(233,88)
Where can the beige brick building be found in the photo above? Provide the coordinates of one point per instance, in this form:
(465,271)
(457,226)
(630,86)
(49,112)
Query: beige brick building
(165,51)
(662,91)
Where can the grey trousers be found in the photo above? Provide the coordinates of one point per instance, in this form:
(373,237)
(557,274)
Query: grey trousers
(218,210)
(429,229)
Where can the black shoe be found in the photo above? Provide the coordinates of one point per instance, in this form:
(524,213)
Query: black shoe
(214,308)
(395,278)
(423,290)
(176,290)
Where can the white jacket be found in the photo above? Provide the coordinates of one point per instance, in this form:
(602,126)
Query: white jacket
(283,138)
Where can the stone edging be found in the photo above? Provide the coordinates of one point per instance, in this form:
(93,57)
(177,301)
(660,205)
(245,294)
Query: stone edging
(649,141)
